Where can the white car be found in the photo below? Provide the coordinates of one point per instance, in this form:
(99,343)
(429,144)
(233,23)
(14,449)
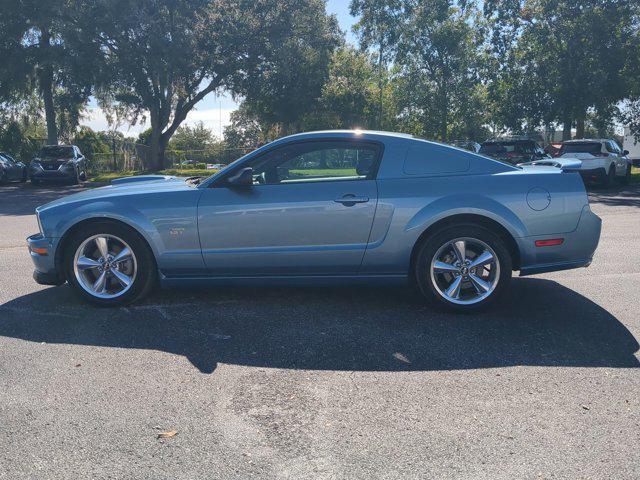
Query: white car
(603,161)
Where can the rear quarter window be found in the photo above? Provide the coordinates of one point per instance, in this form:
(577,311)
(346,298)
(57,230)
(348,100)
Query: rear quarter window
(431,159)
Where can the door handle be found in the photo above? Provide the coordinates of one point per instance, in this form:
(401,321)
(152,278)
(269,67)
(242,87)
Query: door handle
(350,199)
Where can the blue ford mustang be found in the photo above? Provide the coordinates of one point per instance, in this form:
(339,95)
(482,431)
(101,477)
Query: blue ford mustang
(324,207)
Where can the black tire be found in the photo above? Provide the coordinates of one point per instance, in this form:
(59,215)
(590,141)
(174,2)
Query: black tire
(430,247)
(75,180)
(3,177)
(608,179)
(24,177)
(145,278)
(35,182)
(627,177)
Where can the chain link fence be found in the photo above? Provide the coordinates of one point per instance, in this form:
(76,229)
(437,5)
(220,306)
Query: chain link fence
(133,157)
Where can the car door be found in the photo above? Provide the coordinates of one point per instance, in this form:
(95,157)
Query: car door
(309,212)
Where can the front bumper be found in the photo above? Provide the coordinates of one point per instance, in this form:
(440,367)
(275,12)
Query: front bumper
(577,250)
(45,265)
(52,175)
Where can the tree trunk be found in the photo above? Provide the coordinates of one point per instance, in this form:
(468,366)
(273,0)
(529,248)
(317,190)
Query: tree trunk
(46,88)
(566,129)
(580,128)
(155,160)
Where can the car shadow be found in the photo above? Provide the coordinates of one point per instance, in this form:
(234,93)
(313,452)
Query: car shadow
(617,196)
(539,323)
(23,198)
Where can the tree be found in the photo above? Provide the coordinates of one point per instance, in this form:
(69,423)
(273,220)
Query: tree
(197,137)
(379,29)
(350,95)
(36,45)
(569,58)
(287,89)
(159,58)
(91,143)
(437,67)
(246,131)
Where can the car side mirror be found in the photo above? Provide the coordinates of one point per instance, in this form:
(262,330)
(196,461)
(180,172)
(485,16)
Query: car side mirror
(244,178)
(625,152)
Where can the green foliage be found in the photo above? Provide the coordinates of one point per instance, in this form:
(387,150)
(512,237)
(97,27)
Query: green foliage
(557,60)
(197,137)
(37,43)
(285,91)
(91,143)
(350,94)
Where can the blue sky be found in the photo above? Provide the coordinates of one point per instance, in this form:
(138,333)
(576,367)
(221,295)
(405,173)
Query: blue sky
(214,111)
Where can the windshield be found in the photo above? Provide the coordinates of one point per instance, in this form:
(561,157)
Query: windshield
(56,152)
(585,147)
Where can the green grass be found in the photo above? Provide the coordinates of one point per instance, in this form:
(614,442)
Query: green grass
(325,172)
(635,175)
(107,177)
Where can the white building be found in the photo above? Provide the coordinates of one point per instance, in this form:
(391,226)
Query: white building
(632,145)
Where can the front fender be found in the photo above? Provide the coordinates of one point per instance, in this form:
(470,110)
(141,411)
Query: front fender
(110,210)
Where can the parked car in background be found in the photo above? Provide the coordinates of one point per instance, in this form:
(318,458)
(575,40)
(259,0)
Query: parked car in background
(467,145)
(632,146)
(11,170)
(553,149)
(333,208)
(58,163)
(513,150)
(603,161)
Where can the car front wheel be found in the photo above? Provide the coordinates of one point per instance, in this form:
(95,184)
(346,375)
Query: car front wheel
(463,268)
(109,264)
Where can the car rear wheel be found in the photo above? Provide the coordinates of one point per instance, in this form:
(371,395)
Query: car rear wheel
(109,264)
(463,269)
(610,177)
(627,176)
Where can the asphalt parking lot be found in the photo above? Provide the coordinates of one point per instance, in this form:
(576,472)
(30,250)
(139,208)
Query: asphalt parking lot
(323,383)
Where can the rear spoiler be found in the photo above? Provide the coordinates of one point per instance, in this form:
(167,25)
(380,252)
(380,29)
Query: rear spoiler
(564,164)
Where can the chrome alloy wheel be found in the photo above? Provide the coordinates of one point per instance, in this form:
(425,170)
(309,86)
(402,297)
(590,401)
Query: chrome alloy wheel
(465,271)
(105,266)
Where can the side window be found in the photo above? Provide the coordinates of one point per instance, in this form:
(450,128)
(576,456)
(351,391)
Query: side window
(317,162)
(425,158)
(612,147)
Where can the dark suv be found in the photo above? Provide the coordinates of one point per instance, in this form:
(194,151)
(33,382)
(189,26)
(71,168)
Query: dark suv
(513,150)
(58,162)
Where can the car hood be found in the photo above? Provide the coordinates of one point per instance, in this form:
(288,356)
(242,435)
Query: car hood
(128,186)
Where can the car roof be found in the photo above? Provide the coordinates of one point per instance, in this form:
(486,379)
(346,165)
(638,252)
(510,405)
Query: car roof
(587,140)
(346,133)
(509,140)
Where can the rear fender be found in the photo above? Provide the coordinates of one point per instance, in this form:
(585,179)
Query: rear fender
(459,204)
